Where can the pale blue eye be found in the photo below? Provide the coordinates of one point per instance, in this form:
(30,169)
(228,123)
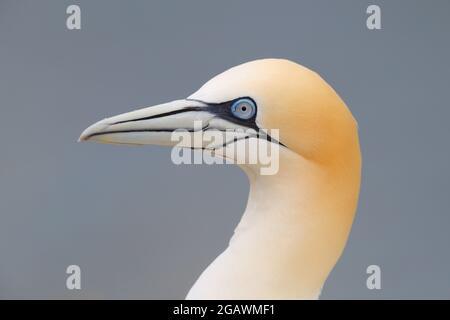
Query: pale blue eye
(243,108)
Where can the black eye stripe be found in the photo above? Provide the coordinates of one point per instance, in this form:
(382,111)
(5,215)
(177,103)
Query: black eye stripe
(223,110)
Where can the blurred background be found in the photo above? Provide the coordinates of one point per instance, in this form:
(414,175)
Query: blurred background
(142,227)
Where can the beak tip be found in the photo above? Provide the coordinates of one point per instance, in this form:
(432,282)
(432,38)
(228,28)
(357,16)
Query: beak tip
(83,137)
(92,130)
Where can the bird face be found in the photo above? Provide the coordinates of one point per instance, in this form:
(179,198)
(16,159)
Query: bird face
(243,103)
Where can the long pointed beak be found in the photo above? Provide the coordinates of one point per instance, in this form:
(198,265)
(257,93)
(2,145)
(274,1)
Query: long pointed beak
(151,125)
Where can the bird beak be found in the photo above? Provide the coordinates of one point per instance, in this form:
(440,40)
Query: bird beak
(151,125)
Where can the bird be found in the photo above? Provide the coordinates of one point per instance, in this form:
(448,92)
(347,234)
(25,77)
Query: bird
(296,222)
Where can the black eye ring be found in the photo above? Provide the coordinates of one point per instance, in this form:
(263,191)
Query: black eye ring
(243,108)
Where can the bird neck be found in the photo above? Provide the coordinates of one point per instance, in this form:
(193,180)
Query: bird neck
(290,236)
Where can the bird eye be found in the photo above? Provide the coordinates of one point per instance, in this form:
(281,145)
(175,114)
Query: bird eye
(243,108)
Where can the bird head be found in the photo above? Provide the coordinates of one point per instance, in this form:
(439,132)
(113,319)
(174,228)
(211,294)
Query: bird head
(246,102)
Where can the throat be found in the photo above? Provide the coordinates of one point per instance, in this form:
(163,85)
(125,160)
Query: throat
(289,237)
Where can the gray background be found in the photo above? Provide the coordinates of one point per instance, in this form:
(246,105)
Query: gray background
(141,227)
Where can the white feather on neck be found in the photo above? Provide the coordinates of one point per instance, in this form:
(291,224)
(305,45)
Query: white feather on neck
(290,236)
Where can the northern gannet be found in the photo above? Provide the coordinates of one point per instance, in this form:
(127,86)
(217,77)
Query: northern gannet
(297,221)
